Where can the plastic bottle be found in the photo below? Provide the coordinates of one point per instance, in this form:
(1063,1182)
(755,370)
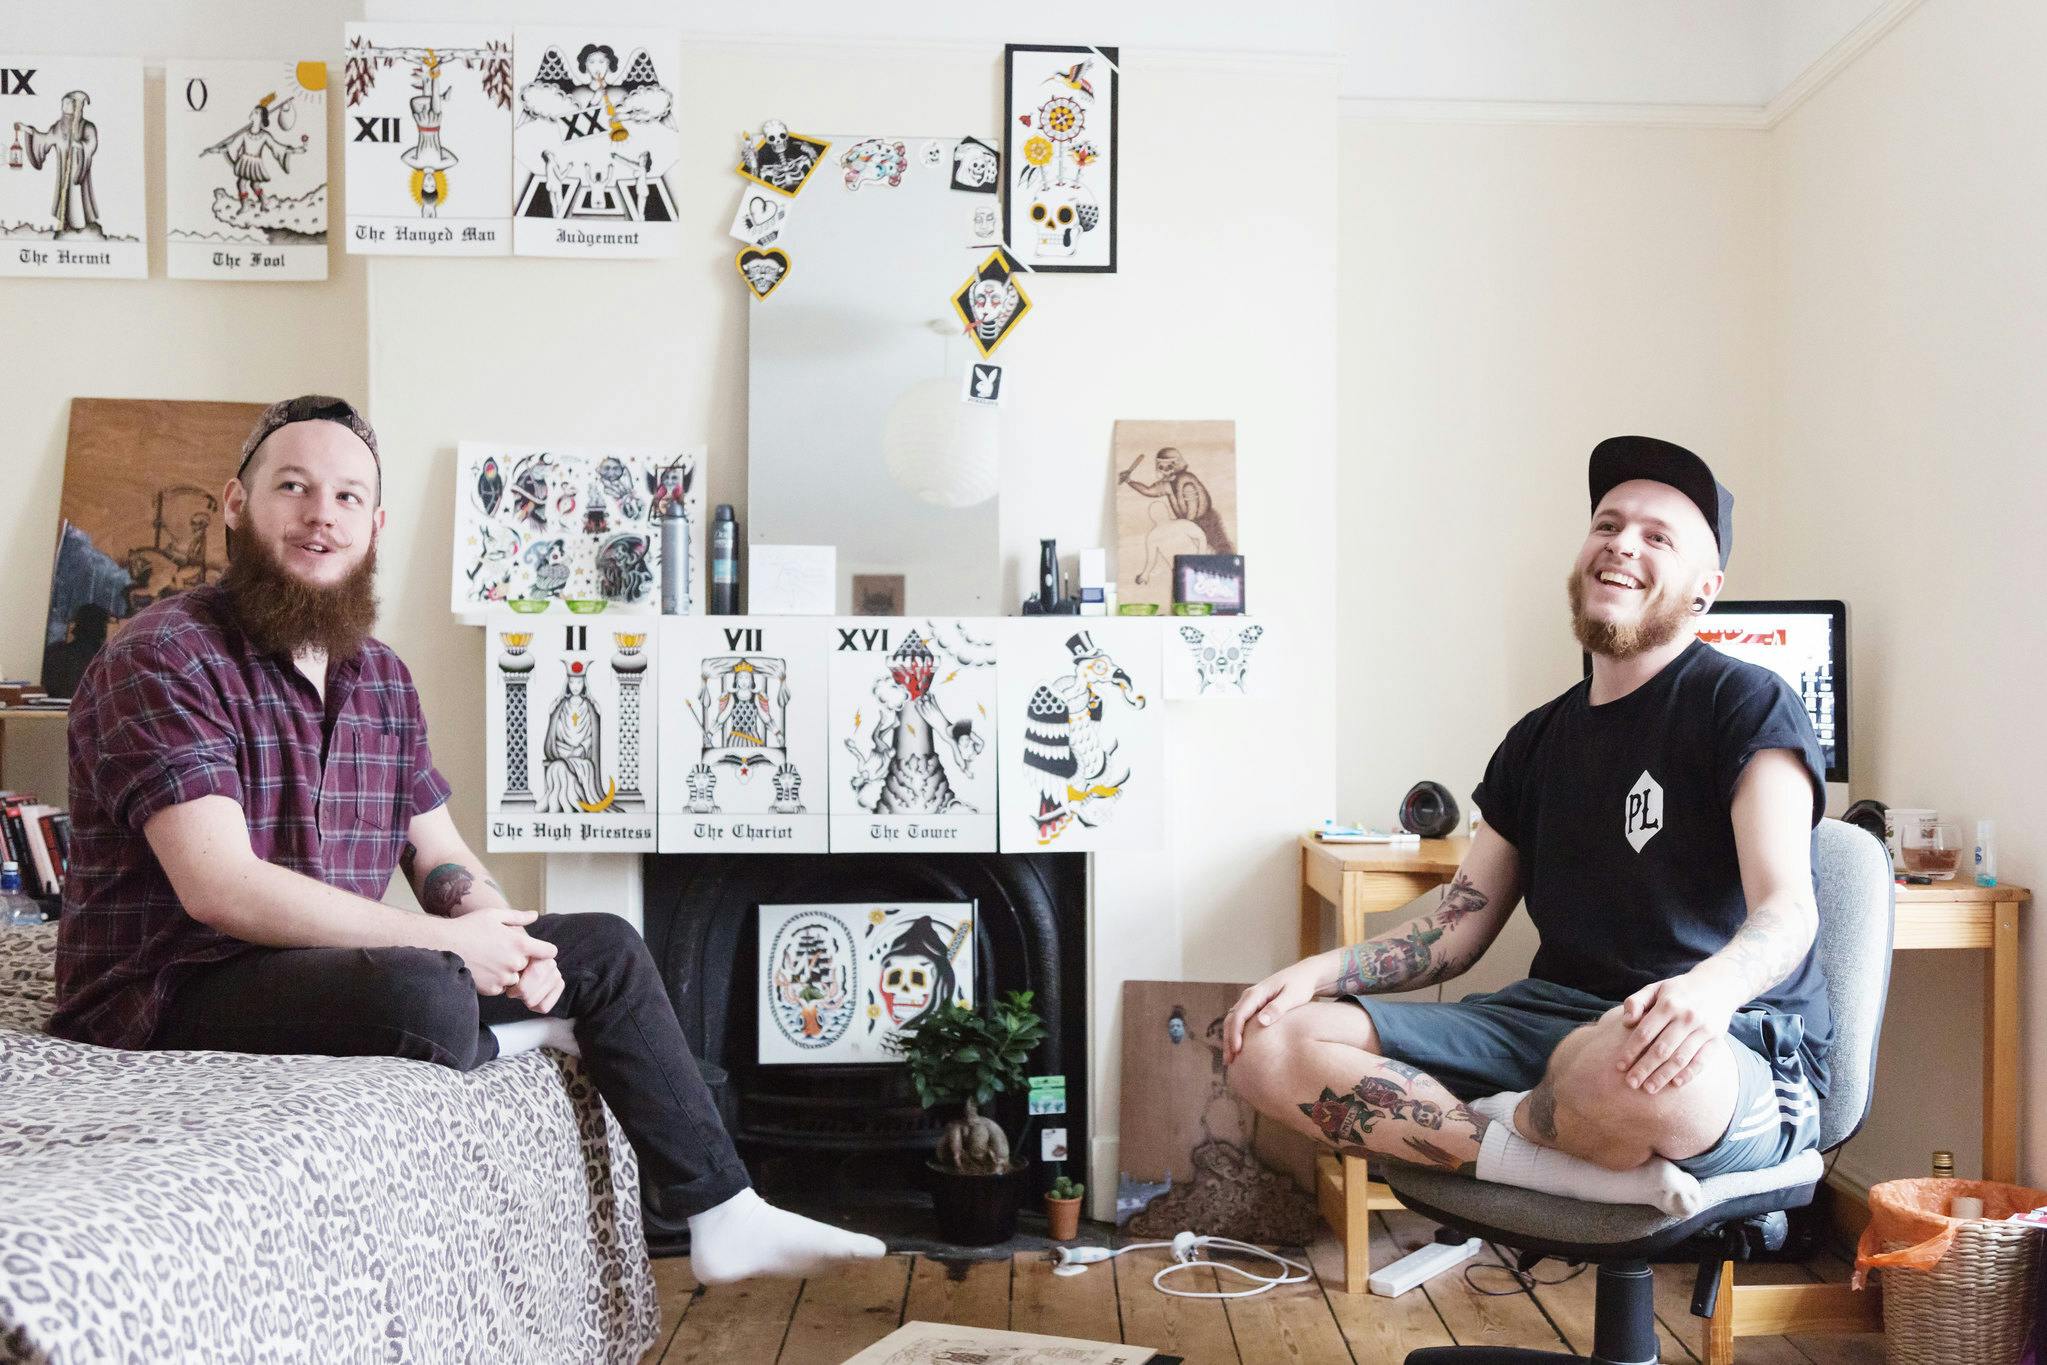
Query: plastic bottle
(1986,853)
(16,904)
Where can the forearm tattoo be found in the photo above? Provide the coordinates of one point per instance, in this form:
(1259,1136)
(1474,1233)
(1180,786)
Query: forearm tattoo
(1416,953)
(407,856)
(1388,1095)
(445,887)
(1768,947)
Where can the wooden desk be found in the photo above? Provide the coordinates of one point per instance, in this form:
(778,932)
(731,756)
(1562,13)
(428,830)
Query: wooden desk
(1364,879)
(24,713)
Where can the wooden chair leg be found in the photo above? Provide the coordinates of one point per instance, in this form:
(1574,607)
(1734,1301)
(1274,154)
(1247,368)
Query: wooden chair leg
(1357,1226)
(1720,1327)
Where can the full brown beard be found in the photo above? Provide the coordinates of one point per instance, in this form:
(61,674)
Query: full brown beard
(1660,624)
(281,613)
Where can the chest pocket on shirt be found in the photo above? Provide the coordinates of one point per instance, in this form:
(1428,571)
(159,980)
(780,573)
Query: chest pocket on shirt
(377,771)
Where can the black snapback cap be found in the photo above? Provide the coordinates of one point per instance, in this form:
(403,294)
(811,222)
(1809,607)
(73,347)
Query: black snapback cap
(1618,459)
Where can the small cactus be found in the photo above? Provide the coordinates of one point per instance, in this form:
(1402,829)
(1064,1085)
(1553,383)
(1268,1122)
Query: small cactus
(1066,1188)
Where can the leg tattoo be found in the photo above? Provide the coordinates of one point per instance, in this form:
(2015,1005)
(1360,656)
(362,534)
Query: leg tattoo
(1388,1096)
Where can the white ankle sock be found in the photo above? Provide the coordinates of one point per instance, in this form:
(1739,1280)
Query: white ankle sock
(1507,1158)
(746,1236)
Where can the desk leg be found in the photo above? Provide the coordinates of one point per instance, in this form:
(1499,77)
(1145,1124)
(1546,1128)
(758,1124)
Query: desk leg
(2001,1047)
(1311,913)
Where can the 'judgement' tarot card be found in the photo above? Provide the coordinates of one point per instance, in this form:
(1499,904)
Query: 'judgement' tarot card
(570,733)
(744,714)
(912,735)
(245,170)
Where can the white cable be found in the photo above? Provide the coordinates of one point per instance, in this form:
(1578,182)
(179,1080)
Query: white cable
(1186,1249)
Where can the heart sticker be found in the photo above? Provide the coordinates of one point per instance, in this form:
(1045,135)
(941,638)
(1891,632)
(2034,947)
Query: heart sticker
(763,271)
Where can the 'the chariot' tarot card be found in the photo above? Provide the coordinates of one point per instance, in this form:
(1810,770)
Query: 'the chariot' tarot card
(540,526)
(839,981)
(71,186)
(743,708)
(429,134)
(1083,736)
(596,141)
(245,170)
(912,735)
(571,732)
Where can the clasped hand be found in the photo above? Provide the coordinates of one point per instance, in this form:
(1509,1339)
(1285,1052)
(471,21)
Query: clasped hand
(1670,1022)
(503,959)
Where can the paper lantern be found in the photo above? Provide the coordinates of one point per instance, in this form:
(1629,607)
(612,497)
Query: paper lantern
(940,449)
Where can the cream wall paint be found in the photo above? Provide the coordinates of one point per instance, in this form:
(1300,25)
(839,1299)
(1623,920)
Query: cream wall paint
(1910,310)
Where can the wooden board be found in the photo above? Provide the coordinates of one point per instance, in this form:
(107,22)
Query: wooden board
(1149,527)
(141,516)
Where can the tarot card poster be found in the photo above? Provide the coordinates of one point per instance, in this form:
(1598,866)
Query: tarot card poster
(1211,658)
(912,735)
(429,137)
(1175,494)
(1083,741)
(245,170)
(838,982)
(743,713)
(539,526)
(596,141)
(570,734)
(1060,157)
(71,187)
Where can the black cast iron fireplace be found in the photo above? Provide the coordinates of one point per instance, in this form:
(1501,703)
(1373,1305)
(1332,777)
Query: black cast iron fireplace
(850,1142)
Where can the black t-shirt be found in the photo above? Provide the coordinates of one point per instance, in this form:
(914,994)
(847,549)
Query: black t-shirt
(1622,816)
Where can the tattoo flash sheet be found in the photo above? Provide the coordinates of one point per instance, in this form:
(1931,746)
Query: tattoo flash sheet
(743,710)
(1083,740)
(429,136)
(838,982)
(596,141)
(571,734)
(71,186)
(557,524)
(912,735)
(245,170)
(1215,657)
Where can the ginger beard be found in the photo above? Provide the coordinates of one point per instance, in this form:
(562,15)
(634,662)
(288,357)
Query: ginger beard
(1664,615)
(281,613)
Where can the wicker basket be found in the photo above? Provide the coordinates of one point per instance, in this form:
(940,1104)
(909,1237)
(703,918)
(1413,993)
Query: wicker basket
(1974,1307)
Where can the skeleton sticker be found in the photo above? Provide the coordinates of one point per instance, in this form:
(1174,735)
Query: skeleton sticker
(596,142)
(762,216)
(1083,745)
(912,730)
(991,303)
(71,186)
(1215,657)
(763,271)
(779,159)
(1060,155)
(428,132)
(540,527)
(245,170)
(976,167)
(839,982)
(743,707)
(570,734)
(874,161)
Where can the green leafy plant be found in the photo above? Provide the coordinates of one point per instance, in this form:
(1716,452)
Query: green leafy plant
(1066,1188)
(958,1055)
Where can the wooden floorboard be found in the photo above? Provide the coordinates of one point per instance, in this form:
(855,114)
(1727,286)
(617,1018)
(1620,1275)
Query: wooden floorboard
(964,1293)
(1292,1323)
(1570,1305)
(1505,1316)
(1861,1348)
(675,1284)
(733,1322)
(1378,1331)
(1081,1306)
(845,1312)
(1198,1329)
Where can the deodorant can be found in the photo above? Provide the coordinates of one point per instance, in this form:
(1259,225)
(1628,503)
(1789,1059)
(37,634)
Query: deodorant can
(674,561)
(724,562)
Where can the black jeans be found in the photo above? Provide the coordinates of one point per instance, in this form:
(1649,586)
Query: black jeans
(421,1004)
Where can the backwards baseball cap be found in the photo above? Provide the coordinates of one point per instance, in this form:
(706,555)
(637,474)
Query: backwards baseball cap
(311,407)
(1618,459)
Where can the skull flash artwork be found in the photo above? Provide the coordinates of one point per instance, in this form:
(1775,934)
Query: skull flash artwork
(992,303)
(839,982)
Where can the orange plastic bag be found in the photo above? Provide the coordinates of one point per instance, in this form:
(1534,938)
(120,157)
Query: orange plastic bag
(1915,1212)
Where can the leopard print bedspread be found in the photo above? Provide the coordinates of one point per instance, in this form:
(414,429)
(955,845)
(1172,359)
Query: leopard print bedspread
(208,1206)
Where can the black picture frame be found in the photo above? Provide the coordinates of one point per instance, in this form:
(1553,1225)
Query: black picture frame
(1111,58)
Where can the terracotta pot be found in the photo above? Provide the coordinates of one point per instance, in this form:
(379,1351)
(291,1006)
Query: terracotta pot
(1063,1218)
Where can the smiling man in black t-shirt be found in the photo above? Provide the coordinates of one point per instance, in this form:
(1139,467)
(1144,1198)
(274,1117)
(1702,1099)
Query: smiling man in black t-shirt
(1658,820)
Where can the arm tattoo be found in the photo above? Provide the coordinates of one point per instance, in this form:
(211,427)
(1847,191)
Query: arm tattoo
(406,858)
(1388,1094)
(445,887)
(1414,954)
(1767,948)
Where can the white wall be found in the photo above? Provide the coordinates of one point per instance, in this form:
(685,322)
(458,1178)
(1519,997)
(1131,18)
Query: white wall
(1910,309)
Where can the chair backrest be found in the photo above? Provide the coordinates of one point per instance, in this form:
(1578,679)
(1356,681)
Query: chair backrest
(1857,904)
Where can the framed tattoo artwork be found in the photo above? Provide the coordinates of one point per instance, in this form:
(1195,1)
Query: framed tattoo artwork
(1213,657)
(838,982)
(1059,157)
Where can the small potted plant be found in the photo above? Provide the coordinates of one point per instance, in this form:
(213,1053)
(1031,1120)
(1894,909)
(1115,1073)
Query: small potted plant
(1062,1209)
(959,1056)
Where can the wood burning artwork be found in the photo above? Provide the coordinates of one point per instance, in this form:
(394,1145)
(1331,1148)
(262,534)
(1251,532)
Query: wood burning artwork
(839,981)
(548,525)
(743,714)
(570,733)
(71,188)
(141,517)
(1083,741)
(1214,657)
(1176,494)
(912,727)
(429,136)
(1193,1153)
(596,141)
(245,170)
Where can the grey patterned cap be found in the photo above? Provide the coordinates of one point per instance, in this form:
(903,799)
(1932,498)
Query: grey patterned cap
(311,407)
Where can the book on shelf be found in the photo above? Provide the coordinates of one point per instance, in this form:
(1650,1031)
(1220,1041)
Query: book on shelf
(19,850)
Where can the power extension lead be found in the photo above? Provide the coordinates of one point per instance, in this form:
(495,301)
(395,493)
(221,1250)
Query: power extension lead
(1419,1266)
